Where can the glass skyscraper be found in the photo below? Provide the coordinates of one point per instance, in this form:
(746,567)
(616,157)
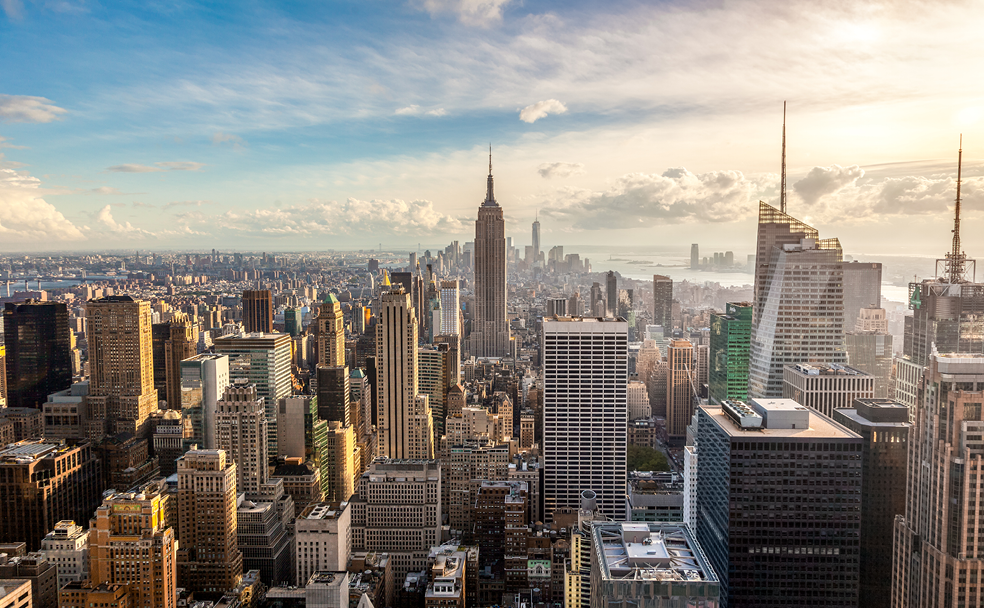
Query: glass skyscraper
(731,335)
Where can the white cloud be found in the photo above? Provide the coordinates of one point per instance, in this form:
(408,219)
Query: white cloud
(437,112)
(219,138)
(5,144)
(551,170)
(14,9)
(185,165)
(186,204)
(541,109)
(821,181)
(470,12)
(107,222)
(132,168)
(25,217)
(409,110)
(23,108)
(163,166)
(106,190)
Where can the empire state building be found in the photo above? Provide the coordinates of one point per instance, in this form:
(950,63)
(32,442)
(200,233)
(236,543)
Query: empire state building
(490,325)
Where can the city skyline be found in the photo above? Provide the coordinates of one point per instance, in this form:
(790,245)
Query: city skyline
(343,126)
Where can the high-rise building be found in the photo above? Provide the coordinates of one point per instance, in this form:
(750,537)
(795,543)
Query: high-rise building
(331,333)
(884,428)
(611,293)
(303,434)
(42,484)
(293,320)
(264,361)
(241,431)
(433,380)
(450,309)
(536,242)
(42,574)
(339,453)
(938,553)
(585,412)
(557,307)
(826,387)
(681,389)
(770,535)
(334,393)
(209,560)
(490,325)
(258,311)
(663,302)
(67,546)
(16,593)
(798,316)
(648,554)
(869,348)
(38,352)
(180,342)
(731,335)
(131,544)
(121,382)
(323,539)
(862,289)
(405,424)
(638,400)
(204,379)
(397,509)
(694,256)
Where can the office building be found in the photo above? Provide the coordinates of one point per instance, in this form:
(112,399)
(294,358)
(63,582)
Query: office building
(404,418)
(731,335)
(293,320)
(38,352)
(334,394)
(83,594)
(209,560)
(16,593)
(67,548)
(121,361)
(938,549)
(173,342)
(42,574)
(585,411)
(263,537)
(302,434)
(862,289)
(434,380)
(258,311)
(450,309)
(339,454)
(637,396)
(681,389)
(798,316)
(557,307)
(397,509)
(241,431)
(331,333)
(694,256)
(322,539)
(171,436)
(884,426)
(490,325)
(785,531)
(131,544)
(826,387)
(663,302)
(663,561)
(536,243)
(42,484)
(611,294)
(204,379)
(302,482)
(869,348)
(264,361)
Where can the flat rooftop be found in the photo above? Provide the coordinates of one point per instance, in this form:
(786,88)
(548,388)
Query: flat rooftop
(825,369)
(820,427)
(650,551)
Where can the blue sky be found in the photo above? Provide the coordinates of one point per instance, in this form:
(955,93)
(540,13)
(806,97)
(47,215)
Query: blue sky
(316,125)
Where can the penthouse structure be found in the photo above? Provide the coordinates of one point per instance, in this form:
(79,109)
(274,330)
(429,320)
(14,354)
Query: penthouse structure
(826,387)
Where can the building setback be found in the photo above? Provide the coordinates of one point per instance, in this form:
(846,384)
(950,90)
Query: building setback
(826,387)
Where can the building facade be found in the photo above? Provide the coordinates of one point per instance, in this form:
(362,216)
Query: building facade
(826,387)
(258,311)
(730,345)
(663,302)
(38,352)
(490,325)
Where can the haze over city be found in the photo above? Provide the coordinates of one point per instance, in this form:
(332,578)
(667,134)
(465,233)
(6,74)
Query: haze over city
(176,125)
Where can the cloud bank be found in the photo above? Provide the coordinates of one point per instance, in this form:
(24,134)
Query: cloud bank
(23,108)
(481,13)
(25,217)
(541,109)
(551,170)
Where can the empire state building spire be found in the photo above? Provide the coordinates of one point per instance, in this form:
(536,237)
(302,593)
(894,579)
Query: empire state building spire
(489,194)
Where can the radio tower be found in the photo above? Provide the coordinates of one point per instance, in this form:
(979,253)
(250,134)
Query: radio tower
(782,186)
(955,263)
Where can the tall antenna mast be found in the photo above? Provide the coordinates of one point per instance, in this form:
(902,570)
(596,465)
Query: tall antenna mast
(955,265)
(782,186)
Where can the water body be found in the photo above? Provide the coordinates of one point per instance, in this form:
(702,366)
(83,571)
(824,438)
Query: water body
(18,284)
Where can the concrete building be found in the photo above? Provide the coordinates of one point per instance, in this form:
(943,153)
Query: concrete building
(884,427)
(38,352)
(241,432)
(681,389)
(130,544)
(65,414)
(448,581)
(637,395)
(869,348)
(664,563)
(798,314)
(322,539)
(204,379)
(585,412)
(339,453)
(42,484)
(826,387)
(42,574)
(264,361)
(397,509)
(490,324)
(263,537)
(663,302)
(257,311)
(862,289)
(792,517)
(16,593)
(121,361)
(67,548)
(434,380)
(173,342)
(209,560)
(84,594)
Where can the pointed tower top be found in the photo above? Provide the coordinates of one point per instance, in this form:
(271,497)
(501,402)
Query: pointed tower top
(489,194)
(490,159)
(782,186)
(955,264)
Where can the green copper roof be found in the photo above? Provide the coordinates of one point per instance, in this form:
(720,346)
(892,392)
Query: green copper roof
(357,373)
(331,299)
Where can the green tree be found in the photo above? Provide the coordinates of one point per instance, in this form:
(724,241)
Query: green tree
(641,458)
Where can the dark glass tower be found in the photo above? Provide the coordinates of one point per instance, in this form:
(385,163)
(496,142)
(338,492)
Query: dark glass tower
(731,335)
(38,351)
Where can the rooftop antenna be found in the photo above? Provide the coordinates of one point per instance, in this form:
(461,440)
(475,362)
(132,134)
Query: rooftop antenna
(782,187)
(490,158)
(956,261)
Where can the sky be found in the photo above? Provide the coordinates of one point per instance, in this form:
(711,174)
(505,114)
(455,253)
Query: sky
(293,125)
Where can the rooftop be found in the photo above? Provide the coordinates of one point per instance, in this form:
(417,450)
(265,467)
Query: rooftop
(825,369)
(650,551)
(324,510)
(818,426)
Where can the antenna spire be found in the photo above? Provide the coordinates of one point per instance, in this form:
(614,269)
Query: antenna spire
(490,159)
(956,263)
(782,186)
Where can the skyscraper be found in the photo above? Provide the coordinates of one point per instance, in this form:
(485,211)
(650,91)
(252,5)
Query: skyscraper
(694,257)
(181,343)
(869,348)
(450,309)
(490,325)
(258,311)
(611,293)
(264,361)
(731,335)
(209,560)
(663,303)
(331,333)
(405,426)
(798,315)
(38,358)
(204,379)
(681,388)
(536,240)
(433,379)
(121,382)
(585,412)
(241,431)
(862,289)
(774,538)
(131,544)
(825,387)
